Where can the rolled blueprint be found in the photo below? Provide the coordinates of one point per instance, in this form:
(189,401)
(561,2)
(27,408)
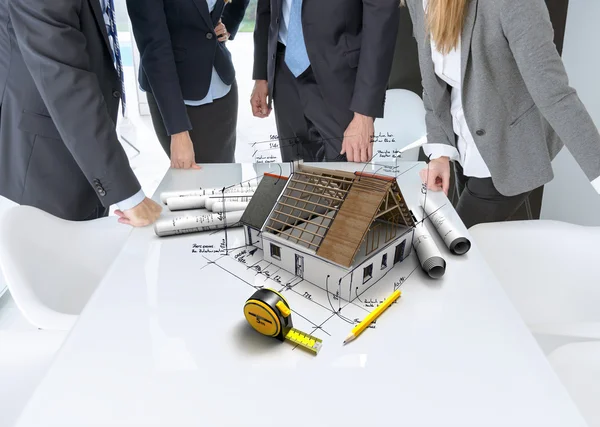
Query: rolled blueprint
(457,242)
(196,223)
(231,197)
(229,206)
(248,187)
(428,253)
(186,202)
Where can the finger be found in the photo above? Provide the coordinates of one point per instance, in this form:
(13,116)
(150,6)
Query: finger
(363,155)
(195,166)
(370,152)
(124,220)
(349,152)
(120,213)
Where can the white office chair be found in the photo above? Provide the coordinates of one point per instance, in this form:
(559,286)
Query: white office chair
(53,266)
(578,367)
(404,120)
(549,271)
(5,204)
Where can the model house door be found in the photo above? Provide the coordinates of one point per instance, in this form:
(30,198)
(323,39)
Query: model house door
(399,254)
(299,266)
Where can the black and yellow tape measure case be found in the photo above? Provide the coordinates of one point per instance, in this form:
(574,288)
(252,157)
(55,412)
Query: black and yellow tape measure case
(269,313)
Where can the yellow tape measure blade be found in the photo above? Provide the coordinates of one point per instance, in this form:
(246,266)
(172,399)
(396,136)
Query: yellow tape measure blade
(306,341)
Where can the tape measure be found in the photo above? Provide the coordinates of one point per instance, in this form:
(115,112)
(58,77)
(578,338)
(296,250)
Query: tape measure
(269,313)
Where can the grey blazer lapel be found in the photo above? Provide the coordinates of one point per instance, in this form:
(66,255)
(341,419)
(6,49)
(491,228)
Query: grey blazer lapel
(467,36)
(95,5)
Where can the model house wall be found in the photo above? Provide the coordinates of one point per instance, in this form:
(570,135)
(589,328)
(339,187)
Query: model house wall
(253,237)
(300,262)
(377,267)
(329,276)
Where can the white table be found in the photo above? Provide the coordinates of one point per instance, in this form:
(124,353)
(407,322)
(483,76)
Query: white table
(164,343)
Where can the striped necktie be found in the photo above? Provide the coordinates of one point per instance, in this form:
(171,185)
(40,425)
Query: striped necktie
(111,28)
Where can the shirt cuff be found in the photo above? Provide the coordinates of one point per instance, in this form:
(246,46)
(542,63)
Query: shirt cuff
(596,184)
(436,150)
(133,201)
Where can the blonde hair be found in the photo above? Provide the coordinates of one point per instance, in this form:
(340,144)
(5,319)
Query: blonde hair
(445,21)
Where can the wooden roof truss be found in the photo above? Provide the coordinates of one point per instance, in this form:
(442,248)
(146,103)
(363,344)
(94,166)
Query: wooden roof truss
(307,207)
(393,212)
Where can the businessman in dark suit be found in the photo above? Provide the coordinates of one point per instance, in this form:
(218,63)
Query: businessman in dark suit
(325,66)
(59,149)
(188,75)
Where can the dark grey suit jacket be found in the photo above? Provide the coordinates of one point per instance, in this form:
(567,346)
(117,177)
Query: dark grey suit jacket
(59,149)
(516,96)
(350,44)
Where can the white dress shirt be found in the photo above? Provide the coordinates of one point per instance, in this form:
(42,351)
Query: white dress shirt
(448,68)
(138,197)
(284,22)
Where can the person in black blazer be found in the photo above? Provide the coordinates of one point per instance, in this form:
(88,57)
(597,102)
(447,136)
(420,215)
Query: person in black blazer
(188,76)
(325,66)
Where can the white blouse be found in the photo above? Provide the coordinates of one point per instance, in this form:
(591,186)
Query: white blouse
(448,68)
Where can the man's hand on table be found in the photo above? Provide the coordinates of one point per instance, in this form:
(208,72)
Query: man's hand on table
(146,213)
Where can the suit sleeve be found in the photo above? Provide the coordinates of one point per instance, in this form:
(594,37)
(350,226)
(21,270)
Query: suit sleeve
(233,15)
(261,40)
(55,52)
(153,40)
(529,32)
(379,31)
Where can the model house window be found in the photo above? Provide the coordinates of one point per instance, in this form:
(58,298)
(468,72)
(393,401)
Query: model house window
(275,251)
(368,273)
(384,261)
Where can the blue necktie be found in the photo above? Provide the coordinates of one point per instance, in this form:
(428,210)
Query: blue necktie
(114,41)
(296,56)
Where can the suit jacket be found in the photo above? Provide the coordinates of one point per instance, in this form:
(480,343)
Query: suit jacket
(178,49)
(351,64)
(59,149)
(516,97)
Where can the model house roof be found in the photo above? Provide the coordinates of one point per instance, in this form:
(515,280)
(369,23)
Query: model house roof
(331,212)
(264,198)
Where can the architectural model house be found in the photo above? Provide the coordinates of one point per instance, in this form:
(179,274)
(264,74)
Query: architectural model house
(335,229)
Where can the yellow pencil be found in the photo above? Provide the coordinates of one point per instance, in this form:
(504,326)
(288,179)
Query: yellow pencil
(372,316)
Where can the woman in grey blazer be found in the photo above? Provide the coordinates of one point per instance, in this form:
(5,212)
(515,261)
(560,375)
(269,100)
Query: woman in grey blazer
(498,103)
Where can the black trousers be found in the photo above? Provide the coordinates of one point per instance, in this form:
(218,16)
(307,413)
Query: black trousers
(309,129)
(480,202)
(213,131)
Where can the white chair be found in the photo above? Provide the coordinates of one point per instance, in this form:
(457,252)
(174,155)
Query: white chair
(403,123)
(578,367)
(5,204)
(549,271)
(53,266)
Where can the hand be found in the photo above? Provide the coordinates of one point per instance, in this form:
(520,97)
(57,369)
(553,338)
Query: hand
(258,100)
(221,32)
(437,175)
(358,139)
(141,215)
(182,151)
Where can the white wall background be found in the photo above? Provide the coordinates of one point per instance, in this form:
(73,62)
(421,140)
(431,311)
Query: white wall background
(570,197)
